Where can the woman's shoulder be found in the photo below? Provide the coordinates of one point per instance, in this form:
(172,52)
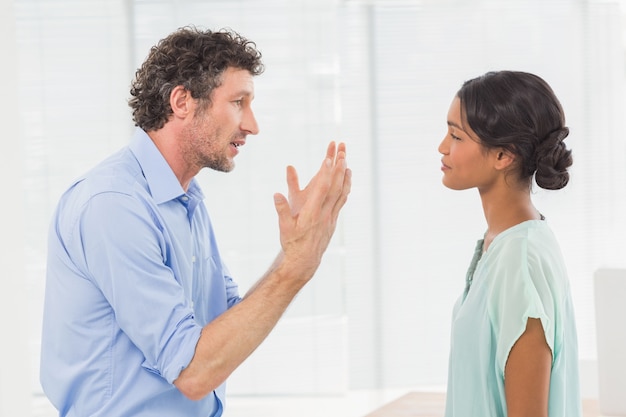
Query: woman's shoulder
(527,252)
(526,237)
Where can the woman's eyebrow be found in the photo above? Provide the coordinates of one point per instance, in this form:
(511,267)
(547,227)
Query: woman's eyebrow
(453,124)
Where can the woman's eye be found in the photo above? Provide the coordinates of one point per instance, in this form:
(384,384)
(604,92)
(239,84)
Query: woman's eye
(453,136)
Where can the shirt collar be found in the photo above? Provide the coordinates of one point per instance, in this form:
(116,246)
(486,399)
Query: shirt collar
(162,181)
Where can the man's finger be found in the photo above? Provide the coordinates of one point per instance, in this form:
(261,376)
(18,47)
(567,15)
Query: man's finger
(339,182)
(282,208)
(293,184)
(331,151)
(345,190)
(341,148)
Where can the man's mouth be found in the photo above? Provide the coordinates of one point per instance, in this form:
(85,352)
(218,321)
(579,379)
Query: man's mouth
(238,143)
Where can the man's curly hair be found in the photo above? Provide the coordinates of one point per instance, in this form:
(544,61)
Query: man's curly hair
(192,58)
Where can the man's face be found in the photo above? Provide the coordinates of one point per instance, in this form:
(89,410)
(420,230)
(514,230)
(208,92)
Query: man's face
(214,135)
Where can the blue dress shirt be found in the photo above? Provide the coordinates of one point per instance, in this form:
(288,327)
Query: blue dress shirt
(133,275)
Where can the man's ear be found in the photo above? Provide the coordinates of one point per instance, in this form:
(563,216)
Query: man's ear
(504,159)
(180,101)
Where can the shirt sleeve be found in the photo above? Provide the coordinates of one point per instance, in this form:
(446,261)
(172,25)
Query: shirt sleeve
(123,251)
(232,288)
(521,291)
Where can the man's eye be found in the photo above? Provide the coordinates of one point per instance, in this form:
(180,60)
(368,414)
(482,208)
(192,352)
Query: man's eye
(238,102)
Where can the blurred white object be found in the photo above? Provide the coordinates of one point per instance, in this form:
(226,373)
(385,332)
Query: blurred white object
(610,301)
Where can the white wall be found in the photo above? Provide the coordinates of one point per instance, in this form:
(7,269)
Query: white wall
(379,75)
(15,305)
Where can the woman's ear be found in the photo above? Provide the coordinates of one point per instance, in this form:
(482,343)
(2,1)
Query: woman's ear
(504,159)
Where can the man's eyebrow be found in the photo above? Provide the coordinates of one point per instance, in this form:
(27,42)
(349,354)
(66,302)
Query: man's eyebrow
(243,93)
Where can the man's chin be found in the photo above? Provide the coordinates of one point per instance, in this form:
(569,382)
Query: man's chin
(222,167)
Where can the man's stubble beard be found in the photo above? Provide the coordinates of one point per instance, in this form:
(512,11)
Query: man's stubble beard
(202,152)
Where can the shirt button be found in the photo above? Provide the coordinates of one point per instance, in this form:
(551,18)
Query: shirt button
(193,258)
(184,198)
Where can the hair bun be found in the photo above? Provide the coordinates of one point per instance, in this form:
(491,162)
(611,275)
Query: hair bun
(553,160)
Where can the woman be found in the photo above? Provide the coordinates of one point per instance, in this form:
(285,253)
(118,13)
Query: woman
(513,343)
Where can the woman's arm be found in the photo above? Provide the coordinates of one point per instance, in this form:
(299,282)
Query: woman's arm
(527,373)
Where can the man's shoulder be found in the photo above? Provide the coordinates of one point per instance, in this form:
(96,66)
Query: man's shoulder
(120,173)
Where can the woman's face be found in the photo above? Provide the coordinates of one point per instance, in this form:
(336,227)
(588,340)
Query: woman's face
(465,162)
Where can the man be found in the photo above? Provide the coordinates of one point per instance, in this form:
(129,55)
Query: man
(142,317)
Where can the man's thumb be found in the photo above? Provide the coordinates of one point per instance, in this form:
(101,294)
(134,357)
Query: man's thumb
(282,204)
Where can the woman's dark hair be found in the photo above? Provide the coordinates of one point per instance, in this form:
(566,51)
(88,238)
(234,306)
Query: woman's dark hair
(519,112)
(192,58)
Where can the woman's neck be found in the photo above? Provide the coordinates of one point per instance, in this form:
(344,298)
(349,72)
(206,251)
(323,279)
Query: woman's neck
(506,209)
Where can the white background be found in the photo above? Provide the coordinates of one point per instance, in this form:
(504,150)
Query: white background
(378,75)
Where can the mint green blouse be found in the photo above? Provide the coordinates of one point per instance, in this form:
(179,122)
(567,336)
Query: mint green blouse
(521,275)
